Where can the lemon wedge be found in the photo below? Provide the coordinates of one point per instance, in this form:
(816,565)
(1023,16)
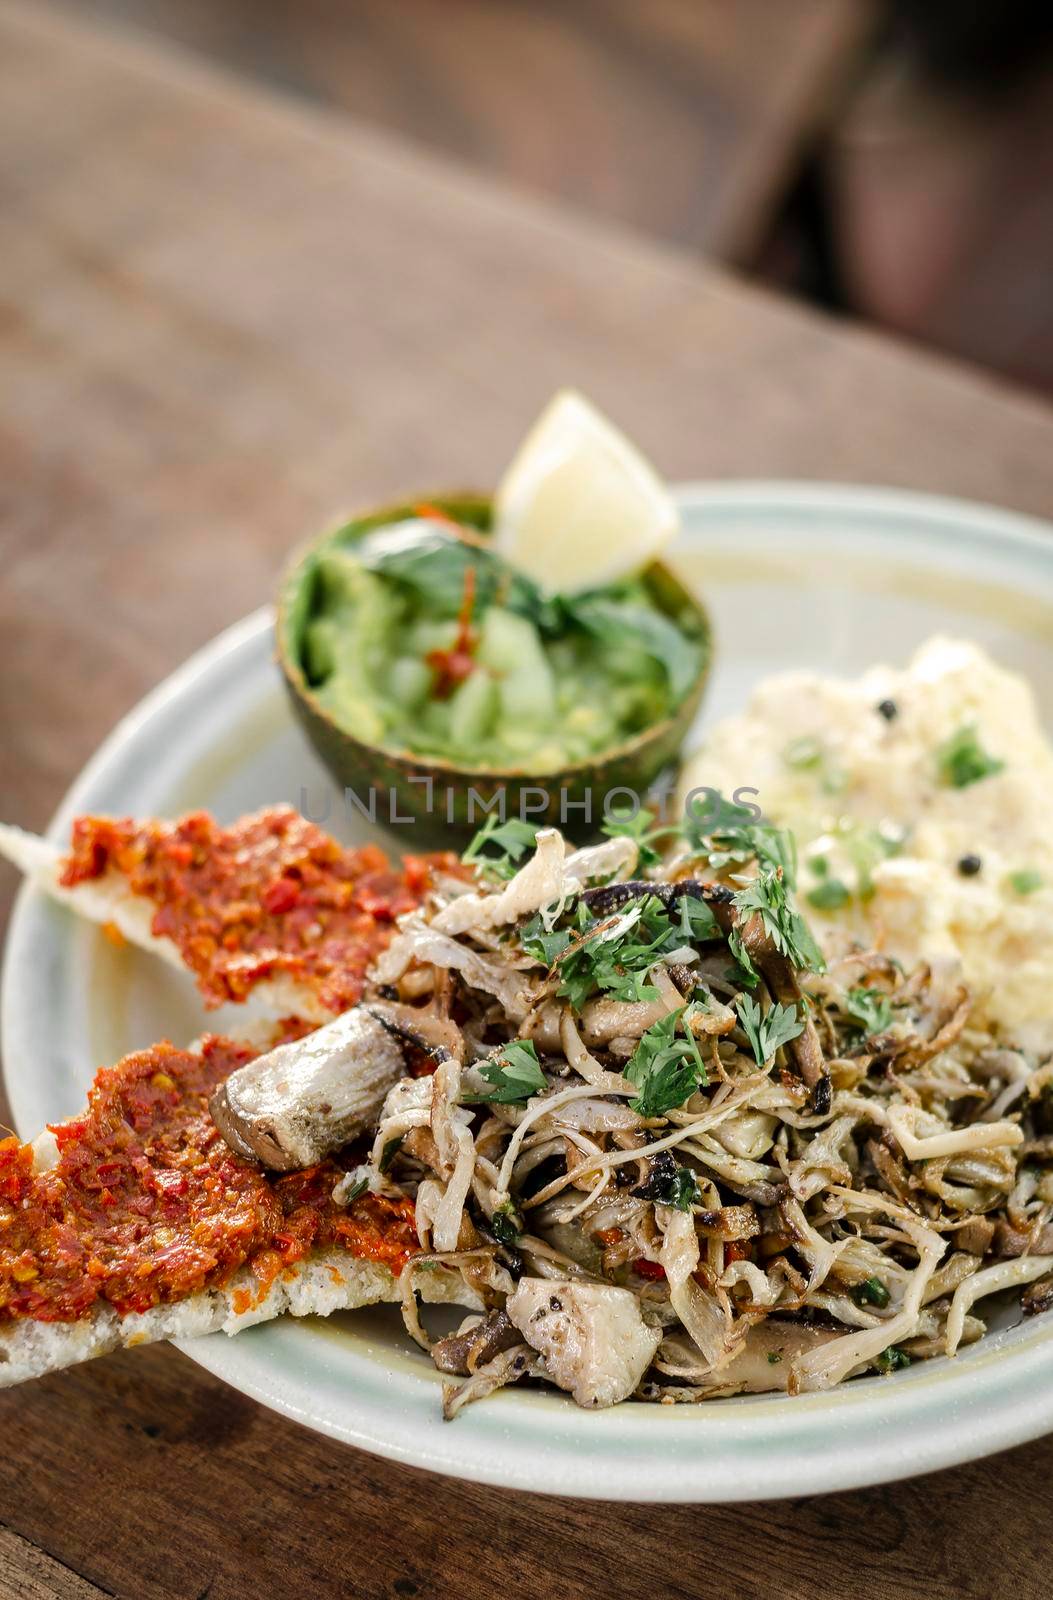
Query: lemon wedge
(579,506)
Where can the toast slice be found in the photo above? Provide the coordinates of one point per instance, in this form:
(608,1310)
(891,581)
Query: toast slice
(134,1221)
(327,1281)
(269,911)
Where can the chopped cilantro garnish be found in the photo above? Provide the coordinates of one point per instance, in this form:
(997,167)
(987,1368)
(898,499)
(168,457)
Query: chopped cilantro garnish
(767,1032)
(642,829)
(774,1357)
(543,944)
(665,1067)
(723,831)
(513,1073)
(962,760)
(871,1292)
(871,1008)
(614,954)
(697,924)
(830,895)
(499,847)
(766,895)
(1026,881)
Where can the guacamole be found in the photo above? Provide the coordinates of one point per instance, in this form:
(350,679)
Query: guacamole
(418,639)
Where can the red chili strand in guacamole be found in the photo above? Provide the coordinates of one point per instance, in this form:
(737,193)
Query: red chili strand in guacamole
(452,666)
(148,1204)
(273,894)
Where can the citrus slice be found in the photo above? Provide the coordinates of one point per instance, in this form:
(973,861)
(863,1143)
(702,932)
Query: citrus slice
(579,506)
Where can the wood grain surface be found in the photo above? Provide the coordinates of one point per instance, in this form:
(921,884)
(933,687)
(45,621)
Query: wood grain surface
(221,320)
(686,118)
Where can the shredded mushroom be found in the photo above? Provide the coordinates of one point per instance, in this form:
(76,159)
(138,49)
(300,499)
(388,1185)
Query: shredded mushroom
(643,1088)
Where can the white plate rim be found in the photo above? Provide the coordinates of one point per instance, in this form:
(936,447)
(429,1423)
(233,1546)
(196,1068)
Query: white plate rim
(755,1448)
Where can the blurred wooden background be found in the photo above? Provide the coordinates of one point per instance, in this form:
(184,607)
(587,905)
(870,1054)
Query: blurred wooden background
(890,159)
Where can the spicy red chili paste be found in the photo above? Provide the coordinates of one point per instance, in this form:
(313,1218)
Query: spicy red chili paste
(147,1203)
(273,894)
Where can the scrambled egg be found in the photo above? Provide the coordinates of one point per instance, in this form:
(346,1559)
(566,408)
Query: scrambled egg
(921,803)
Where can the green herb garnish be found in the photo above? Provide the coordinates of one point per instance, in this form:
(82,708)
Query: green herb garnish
(546,945)
(766,895)
(614,954)
(767,1032)
(871,1292)
(665,1067)
(499,847)
(506,1225)
(514,1074)
(684,1191)
(830,895)
(962,760)
(871,1008)
(892,1359)
(643,830)
(389,1152)
(1026,881)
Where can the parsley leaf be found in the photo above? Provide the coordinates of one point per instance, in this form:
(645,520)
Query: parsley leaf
(642,830)
(514,1074)
(871,1008)
(1026,881)
(962,760)
(697,923)
(615,955)
(767,1033)
(512,840)
(766,895)
(664,1068)
(544,944)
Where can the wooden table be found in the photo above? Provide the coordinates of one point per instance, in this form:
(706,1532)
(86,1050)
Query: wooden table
(219,320)
(687,120)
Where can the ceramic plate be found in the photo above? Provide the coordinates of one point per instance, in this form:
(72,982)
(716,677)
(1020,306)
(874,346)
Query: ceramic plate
(796,576)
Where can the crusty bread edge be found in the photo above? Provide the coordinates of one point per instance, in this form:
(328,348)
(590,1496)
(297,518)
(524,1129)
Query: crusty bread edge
(327,1281)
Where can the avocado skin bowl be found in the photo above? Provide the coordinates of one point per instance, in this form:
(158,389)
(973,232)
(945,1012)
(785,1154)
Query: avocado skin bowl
(440,812)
